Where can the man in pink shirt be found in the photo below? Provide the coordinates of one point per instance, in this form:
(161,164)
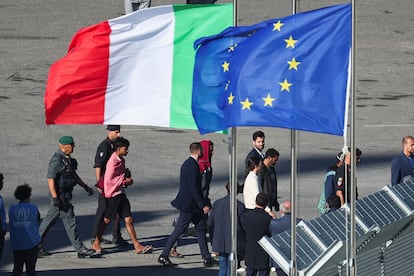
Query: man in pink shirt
(116,178)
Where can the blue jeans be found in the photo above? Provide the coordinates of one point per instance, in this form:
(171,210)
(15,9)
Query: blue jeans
(224,265)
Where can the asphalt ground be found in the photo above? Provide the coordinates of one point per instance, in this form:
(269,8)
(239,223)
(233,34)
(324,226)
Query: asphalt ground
(33,34)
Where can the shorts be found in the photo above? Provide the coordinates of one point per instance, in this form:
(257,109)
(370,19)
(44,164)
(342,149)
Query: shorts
(118,205)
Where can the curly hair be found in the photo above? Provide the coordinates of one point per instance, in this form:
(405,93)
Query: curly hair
(23,192)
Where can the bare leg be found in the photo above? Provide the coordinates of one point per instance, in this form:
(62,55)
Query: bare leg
(129,224)
(97,242)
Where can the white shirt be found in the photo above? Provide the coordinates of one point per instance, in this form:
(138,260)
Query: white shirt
(250,190)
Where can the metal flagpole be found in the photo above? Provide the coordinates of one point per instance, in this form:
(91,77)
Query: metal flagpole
(293,178)
(233,201)
(352,239)
(233,180)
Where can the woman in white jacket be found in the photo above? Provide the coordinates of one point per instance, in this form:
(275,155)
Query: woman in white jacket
(252,185)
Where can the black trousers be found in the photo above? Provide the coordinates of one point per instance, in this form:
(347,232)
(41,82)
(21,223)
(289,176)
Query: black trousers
(200,221)
(26,257)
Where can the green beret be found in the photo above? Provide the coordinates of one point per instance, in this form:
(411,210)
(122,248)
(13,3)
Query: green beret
(66,140)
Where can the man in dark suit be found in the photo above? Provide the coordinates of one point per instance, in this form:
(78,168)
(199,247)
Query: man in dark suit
(258,146)
(257,225)
(192,207)
(280,225)
(218,220)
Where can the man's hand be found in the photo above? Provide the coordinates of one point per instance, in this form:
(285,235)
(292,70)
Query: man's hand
(128,181)
(272,214)
(57,202)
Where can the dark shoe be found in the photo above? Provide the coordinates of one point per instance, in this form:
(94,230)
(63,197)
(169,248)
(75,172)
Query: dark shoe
(210,262)
(165,261)
(86,252)
(42,253)
(119,240)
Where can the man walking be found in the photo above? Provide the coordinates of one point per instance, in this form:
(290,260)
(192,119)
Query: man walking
(192,206)
(62,178)
(268,177)
(103,152)
(117,178)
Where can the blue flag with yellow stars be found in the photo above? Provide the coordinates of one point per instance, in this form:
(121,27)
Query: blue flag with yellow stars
(290,72)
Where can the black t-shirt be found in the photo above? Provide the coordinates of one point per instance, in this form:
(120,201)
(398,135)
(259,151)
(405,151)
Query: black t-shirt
(103,152)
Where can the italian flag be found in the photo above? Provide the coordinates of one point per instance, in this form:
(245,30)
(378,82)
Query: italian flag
(133,70)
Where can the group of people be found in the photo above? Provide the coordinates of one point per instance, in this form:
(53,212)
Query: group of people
(256,217)
(260,196)
(336,188)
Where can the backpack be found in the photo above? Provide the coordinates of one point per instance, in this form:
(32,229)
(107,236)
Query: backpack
(322,200)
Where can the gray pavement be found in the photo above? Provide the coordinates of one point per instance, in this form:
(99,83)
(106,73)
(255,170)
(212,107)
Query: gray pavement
(34,34)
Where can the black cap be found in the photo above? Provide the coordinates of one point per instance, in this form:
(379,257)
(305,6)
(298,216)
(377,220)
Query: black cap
(113,127)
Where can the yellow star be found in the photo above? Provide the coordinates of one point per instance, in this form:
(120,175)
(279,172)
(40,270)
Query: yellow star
(277,26)
(246,104)
(232,48)
(268,100)
(225,66)
(285,85)
(293,64)
(230,98)
(290,42)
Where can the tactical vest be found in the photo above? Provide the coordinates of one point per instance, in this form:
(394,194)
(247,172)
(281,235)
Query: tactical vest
(65,180)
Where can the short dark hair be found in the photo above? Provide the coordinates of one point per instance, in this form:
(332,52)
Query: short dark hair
(257,134)
(262,199)
(334,202)
(271,153)
(195,146)
(121,142)
(1,177)
(23,192)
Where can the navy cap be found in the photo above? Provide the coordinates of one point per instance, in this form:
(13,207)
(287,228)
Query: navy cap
(113,127)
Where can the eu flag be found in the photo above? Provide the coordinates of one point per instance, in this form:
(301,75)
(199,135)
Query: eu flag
(290,72)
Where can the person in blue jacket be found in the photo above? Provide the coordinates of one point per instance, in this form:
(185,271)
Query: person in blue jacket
(403,164)
(24,220)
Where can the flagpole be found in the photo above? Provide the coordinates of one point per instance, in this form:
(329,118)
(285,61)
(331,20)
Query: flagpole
(293,178)
(233,180)
(352,239)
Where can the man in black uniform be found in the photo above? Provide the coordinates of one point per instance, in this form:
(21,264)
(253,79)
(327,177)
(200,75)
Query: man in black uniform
(61,178)
(343,177)
(103,152)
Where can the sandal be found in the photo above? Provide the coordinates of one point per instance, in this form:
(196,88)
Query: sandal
(147,249)
(175,254)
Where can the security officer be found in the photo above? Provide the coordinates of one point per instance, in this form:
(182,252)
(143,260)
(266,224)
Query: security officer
(61,178)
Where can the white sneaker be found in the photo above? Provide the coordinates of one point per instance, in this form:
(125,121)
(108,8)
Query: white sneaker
(273,269)
(241,270)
